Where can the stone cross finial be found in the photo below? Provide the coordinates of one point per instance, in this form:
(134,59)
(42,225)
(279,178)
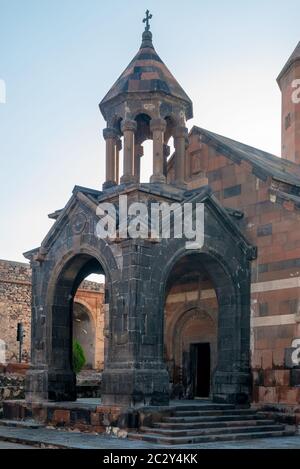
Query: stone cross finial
(146,20)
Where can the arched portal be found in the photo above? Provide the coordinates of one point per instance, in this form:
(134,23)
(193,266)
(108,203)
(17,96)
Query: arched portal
(191,352)
(204,341)
(61,377)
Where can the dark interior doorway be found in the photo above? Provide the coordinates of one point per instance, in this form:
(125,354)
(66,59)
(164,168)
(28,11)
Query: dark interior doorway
(200,364)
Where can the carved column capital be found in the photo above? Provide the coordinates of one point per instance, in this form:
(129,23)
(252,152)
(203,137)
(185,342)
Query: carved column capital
(110,133)
(158,124)
(128,125)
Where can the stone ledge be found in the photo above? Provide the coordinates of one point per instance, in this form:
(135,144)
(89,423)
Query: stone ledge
(86,417)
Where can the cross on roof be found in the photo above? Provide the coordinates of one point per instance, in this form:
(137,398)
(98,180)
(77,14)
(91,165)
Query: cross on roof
(146,20)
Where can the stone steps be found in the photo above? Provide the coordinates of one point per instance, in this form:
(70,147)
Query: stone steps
(212,412)
(202,406)
(154,438)
(212,424)
(202,423)
(215,431)
(211,418)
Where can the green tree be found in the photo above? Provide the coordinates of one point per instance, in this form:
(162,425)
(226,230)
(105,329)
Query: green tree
(78,357)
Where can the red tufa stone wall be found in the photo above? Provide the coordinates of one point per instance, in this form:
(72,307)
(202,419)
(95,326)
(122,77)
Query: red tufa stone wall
(290,124)
(272,225)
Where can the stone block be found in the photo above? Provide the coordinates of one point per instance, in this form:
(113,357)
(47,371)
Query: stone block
(269,378)
(267,359)
(278,357)
(61,417)
(282,377)
(288,395)
(268,394)
(95,419)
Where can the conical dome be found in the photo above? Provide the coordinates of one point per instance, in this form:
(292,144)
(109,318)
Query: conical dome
(292,59)
(147,73)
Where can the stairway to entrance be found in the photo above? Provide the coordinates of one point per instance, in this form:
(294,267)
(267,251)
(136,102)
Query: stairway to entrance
(208,422)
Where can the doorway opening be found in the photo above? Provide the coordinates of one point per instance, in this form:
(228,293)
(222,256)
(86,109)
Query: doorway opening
(191,329)
(78,314)
(200,369)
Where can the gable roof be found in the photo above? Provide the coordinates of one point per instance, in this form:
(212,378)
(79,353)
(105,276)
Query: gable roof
(264,164)
(90,198)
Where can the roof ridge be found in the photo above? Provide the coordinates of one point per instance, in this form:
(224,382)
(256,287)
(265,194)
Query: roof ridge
(268,163)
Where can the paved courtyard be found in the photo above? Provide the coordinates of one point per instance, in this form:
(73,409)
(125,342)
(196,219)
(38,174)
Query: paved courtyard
(45,437)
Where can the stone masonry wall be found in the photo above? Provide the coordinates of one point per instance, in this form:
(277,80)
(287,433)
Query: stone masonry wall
(15,306)
(272,224)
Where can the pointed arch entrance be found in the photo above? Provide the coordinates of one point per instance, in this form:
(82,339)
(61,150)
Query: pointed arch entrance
(191,351)
(206,334)
(61,377)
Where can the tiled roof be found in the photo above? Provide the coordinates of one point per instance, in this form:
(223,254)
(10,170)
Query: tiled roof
(265,163)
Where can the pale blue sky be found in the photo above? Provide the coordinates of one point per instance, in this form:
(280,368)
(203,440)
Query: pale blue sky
(59,57)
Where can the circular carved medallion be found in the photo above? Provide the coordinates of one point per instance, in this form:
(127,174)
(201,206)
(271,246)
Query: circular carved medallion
(79,223)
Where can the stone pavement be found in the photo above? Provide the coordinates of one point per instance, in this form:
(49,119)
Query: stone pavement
(75,440)
(6,445)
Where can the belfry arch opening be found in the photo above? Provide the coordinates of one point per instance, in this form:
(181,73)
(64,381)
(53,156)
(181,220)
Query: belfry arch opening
(143,149)
(144,145)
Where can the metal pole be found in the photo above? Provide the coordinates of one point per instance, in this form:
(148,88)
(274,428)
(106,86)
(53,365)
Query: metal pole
(20,351)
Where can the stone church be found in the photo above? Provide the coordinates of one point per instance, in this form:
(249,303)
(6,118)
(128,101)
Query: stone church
(219,322)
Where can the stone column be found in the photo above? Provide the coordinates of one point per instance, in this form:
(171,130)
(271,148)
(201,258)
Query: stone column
(180,135)
(118,149)
(158,127)
(128,128)
(138,153)
(110,136)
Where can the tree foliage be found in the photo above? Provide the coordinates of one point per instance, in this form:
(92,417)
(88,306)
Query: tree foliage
(79,359)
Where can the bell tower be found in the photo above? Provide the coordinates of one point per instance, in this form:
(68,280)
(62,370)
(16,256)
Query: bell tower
(289,84)
(146,102)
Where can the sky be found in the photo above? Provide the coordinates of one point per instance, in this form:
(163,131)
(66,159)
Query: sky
(58,58)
